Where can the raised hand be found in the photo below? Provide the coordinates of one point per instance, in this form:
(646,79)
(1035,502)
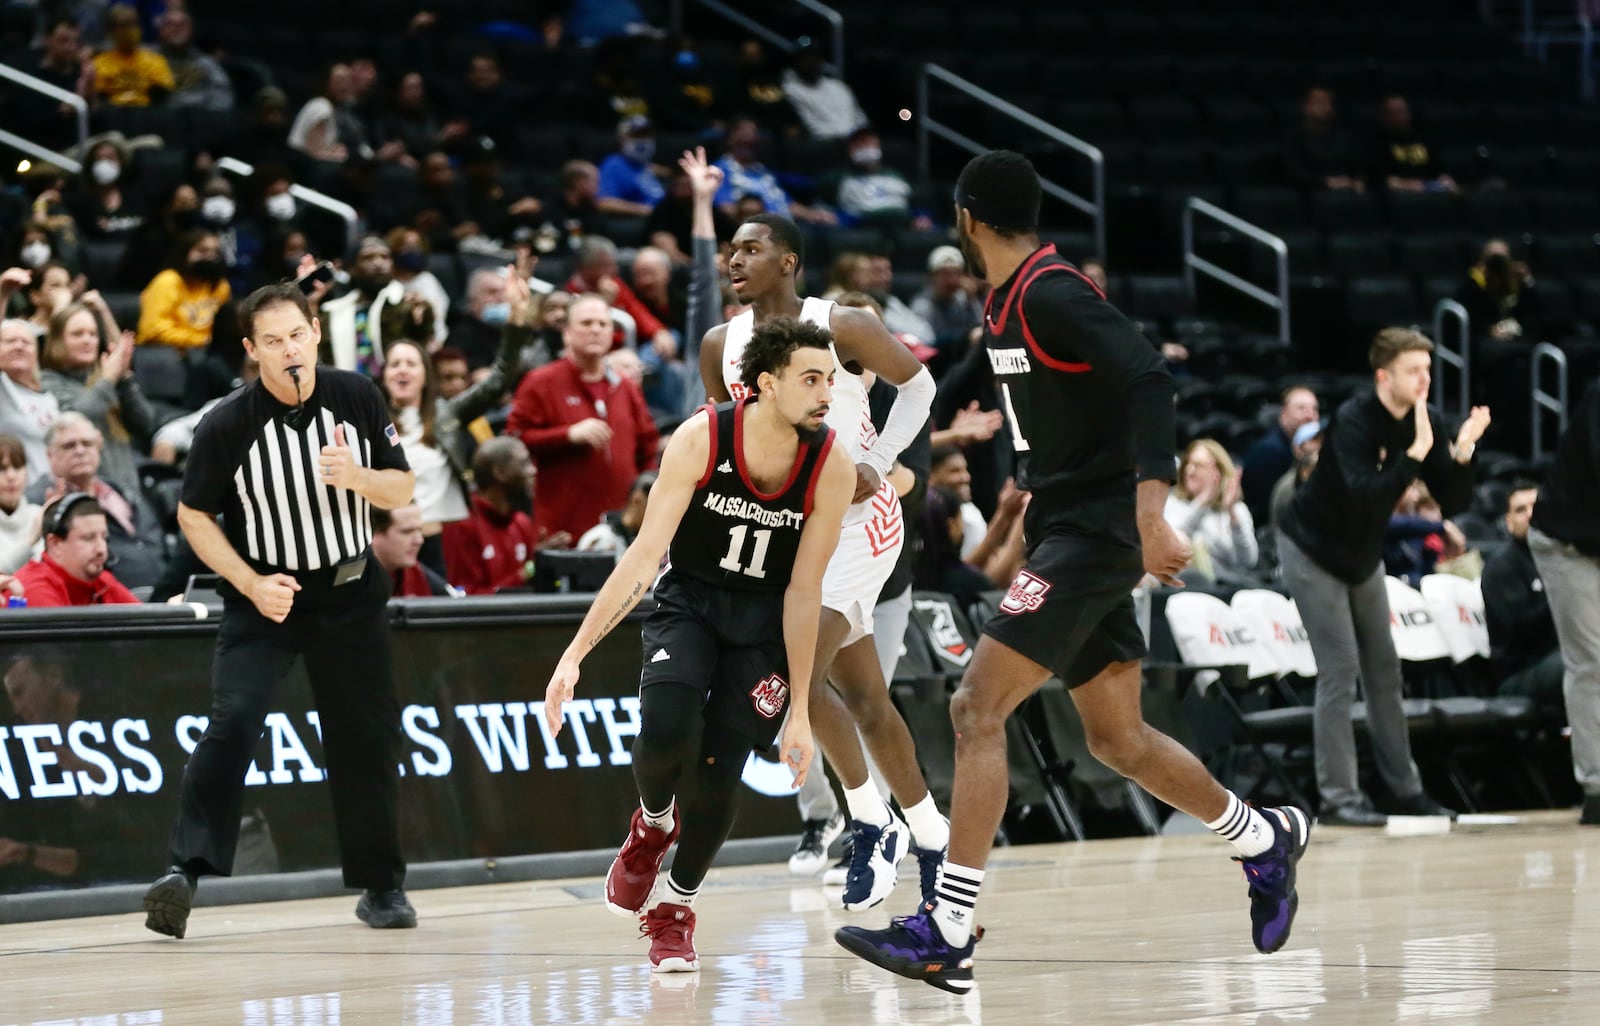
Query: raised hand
(338,462)
(705,178)
(1424,441)
(1473,427)
(518,296)
(13,279)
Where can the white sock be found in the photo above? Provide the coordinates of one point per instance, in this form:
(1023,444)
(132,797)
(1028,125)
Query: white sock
(958,894)
(928,829)
(866,806)
(660,820)
(678,895)
(1243,827)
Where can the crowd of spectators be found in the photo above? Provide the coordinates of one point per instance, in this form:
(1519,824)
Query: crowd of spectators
(528,310)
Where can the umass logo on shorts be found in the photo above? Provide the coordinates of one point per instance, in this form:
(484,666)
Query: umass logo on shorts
(1026,594)
(769,695)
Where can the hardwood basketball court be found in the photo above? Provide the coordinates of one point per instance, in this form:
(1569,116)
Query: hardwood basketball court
(1488,924)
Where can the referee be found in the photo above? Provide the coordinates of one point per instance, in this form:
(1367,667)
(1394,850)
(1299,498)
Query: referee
(294,463)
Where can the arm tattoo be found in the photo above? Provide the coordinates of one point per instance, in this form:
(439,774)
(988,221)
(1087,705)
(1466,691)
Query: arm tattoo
(622,611)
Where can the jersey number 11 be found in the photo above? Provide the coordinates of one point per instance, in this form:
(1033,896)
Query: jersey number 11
(758,558)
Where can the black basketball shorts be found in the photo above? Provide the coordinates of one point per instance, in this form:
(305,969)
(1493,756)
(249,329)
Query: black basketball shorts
(726,646)
(1070,608)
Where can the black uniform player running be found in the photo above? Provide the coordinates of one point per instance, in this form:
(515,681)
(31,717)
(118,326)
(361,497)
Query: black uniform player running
(1090,405)
(750,498)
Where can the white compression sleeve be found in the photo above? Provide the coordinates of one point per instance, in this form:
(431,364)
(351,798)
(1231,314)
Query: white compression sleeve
(906,417)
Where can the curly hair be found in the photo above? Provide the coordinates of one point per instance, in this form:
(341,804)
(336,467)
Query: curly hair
(772,344)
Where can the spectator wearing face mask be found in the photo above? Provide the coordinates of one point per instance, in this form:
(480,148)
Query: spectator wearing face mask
(129,75)
(238,246)
(34,249)
(869,192)
(101,205)
(410,251)
(629,186)
(279,213)
(478,328)
(178,306)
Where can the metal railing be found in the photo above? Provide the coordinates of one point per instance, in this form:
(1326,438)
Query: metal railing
(310,197)
(1553,402)
(834,19)
(927,127)
(1566,24)
(1460,359)
(38,152)
(79,105)
(1193,263)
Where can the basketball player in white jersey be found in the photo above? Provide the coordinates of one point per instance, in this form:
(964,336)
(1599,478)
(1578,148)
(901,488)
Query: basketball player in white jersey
(766,254)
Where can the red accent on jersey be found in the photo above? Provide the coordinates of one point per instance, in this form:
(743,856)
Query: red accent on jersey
(738,459)
(711,460)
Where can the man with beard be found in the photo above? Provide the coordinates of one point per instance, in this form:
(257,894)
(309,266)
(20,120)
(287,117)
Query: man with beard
(1091,409)
(750,499)
(767,252)
(494,546)
(354,320)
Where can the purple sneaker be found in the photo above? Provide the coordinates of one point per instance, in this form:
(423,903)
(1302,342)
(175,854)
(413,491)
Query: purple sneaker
(913,947)
(1273,901)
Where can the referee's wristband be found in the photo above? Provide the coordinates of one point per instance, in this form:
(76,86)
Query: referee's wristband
(1464,453)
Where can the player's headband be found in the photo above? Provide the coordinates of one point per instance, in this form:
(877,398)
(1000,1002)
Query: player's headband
(999,211)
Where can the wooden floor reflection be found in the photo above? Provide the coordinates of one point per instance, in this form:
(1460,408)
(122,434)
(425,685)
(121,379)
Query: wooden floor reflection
(1493,924)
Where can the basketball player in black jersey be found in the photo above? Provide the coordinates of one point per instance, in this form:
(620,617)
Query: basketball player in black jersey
(750,497)
(1091,408)
(766,256)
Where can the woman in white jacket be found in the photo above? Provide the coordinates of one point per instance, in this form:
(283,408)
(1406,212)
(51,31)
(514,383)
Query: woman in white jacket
(1206,506)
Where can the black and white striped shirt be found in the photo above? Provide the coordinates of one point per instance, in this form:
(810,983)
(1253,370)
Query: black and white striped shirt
(248,464)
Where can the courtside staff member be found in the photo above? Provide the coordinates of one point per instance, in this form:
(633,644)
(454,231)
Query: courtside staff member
(294,463)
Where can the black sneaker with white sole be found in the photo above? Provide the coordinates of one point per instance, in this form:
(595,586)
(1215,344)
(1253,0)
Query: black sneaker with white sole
(811,854)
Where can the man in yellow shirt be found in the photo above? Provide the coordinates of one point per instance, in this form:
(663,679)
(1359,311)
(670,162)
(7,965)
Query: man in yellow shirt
(128,75)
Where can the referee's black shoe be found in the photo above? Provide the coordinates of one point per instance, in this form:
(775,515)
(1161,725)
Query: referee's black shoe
(167,903)
(386,910)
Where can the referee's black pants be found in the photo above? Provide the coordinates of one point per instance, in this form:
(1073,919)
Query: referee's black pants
(343,634)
